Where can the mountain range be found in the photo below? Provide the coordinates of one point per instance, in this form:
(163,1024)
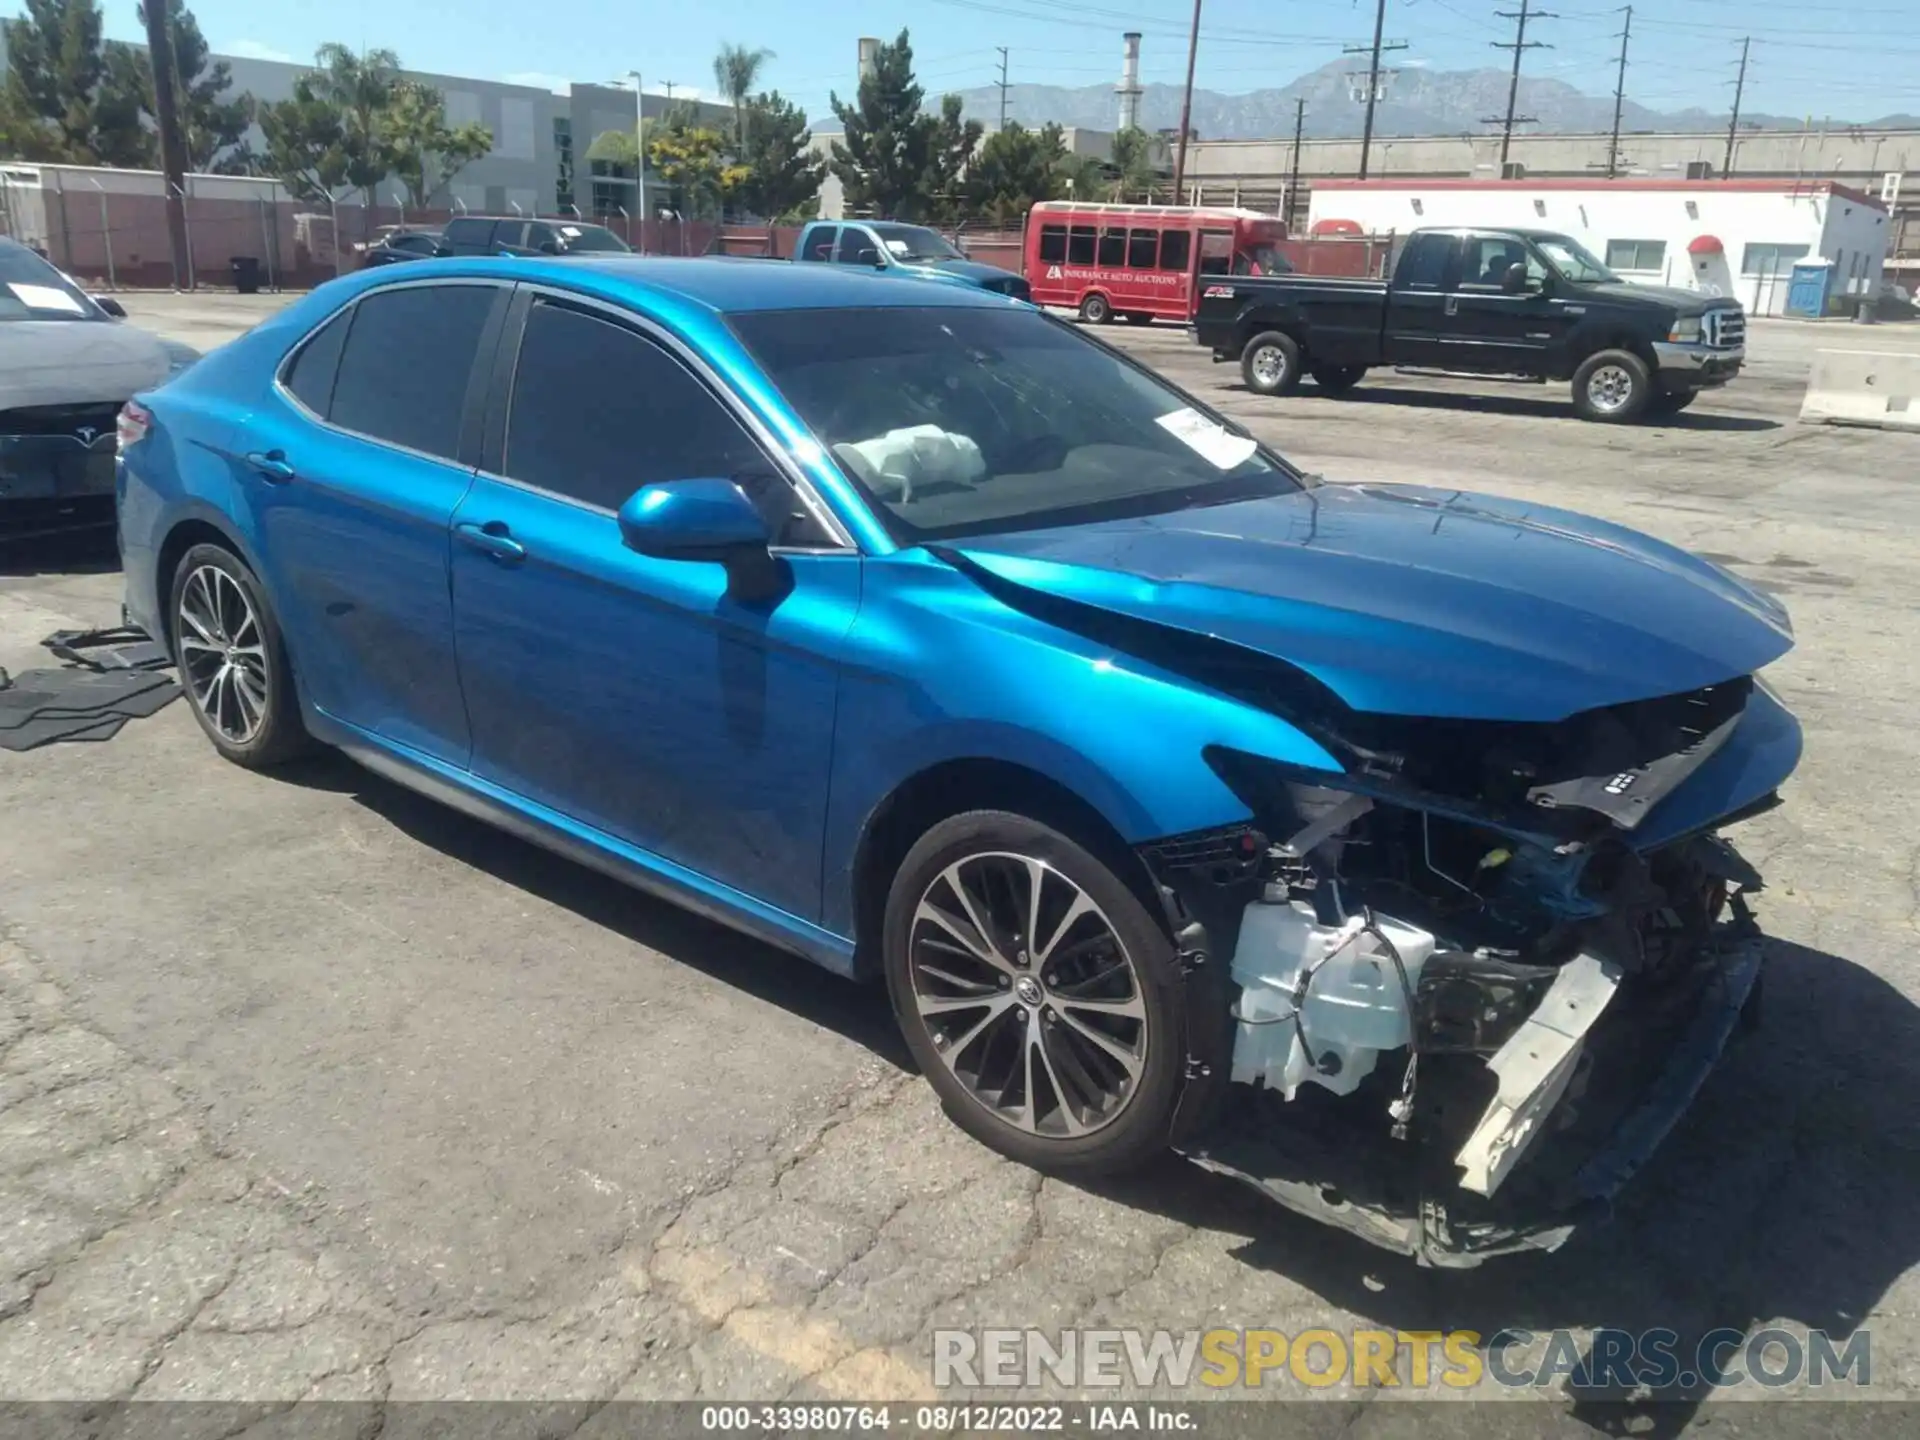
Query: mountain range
(1417,102)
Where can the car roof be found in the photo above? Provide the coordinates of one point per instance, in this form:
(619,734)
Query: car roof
(725,285)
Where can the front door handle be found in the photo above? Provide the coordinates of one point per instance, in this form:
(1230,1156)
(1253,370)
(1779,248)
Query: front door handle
(1453,304)
(493,540)
(271,465)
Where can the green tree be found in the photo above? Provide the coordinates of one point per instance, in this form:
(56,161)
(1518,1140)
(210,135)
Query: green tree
(359,88)
(691,160)
(422,149)
(307,146)
(1133,166)
(67,99)
(946,144)
(736,70)
(1014,170)
(893,160)
(783,174)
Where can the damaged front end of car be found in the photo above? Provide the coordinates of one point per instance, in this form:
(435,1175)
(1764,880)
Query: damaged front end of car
(1475,980)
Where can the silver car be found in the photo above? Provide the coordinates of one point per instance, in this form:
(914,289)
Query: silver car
(67,364)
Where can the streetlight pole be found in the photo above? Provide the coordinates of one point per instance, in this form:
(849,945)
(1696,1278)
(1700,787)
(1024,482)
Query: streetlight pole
(640,153)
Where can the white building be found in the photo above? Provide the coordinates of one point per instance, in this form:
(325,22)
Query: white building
(1723,237)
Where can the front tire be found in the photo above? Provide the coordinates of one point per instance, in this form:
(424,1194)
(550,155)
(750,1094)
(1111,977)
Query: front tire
(1270,364)
(232,661)
(1039,997)
(1096,309)
(1612,387)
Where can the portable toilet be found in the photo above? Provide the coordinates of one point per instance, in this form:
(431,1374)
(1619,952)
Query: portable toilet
(1807,288)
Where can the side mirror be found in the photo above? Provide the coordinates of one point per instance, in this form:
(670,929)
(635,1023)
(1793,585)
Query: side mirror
(1515,280)
(711,520)
(112,306)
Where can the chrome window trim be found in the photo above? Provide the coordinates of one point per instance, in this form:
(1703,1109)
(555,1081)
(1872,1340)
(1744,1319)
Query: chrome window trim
(286,394)
(761,436)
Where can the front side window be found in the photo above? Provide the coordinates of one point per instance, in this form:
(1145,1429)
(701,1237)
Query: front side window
(959,421)
(1574,261)
(599,410)
(1490,257)
(403,372)
(857,247)
(592,240)
(473,234)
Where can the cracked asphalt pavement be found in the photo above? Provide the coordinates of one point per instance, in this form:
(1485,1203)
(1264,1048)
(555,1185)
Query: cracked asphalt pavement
(310,1088)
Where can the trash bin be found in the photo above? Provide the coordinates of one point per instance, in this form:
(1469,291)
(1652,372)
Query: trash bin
(246,274)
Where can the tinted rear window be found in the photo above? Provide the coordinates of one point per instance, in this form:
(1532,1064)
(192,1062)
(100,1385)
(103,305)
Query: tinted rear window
(404,371)
(311,378)
(469,232)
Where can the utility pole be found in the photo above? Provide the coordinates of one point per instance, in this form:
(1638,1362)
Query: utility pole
(1739,90)
(1003,85)
(1375,89)
(1186,111)
(1519,45)
(173,150)
(1619,98)
(1293,171)
(667,85)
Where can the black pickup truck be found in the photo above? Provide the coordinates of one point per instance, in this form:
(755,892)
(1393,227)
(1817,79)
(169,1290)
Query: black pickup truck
(1526,303)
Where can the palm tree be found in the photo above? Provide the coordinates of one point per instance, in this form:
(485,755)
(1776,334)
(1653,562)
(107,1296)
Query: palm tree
(736,70)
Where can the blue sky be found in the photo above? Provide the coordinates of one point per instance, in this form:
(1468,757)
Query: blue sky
(1684,51)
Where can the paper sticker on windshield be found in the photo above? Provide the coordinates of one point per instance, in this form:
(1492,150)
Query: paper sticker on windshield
(1210,441)
(46,297)
(898,247)
(572,232)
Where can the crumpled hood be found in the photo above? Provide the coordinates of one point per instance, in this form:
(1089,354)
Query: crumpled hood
(1412,601)
(76,362)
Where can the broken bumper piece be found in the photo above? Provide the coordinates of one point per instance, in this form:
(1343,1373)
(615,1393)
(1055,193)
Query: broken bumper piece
(1642,1062)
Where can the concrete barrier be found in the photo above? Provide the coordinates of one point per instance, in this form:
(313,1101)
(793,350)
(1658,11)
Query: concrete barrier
(1864,387)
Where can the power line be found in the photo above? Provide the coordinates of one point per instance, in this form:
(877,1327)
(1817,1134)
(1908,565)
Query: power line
(1739,90)
(1519,45)
(1619,98)
(1373,78)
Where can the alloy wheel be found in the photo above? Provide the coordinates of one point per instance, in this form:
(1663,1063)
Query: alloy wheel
(1270,365)
(1609,388)
(1028,994)
(222,653)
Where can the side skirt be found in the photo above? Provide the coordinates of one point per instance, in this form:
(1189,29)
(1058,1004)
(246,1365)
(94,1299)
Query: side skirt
(483,800)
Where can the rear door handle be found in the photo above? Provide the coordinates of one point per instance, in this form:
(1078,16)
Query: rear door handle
(1453,304)
(492,539)
(271,465)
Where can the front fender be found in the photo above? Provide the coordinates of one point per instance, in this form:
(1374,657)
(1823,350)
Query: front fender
(939,671)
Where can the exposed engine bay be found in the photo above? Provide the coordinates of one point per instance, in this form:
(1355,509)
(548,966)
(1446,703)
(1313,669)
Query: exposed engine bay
(1466,1006)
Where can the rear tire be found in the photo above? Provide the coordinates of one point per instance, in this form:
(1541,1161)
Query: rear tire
(232,661)
(1063,1052)
(1338,379)
(1270,364)
(1096,309)
(1612,387)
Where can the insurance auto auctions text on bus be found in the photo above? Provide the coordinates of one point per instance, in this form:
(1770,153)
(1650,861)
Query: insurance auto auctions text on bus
(1222,1359)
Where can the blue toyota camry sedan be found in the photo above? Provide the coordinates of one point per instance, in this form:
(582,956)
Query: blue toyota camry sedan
(1361,842)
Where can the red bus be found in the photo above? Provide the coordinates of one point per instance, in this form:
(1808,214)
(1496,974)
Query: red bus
(1143,262)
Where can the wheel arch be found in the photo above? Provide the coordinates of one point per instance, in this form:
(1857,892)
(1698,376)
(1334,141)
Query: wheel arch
(953,787)
(196,527)
(1289,322)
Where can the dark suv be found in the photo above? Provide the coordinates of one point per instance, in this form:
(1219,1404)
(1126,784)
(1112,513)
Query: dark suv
(499,235)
